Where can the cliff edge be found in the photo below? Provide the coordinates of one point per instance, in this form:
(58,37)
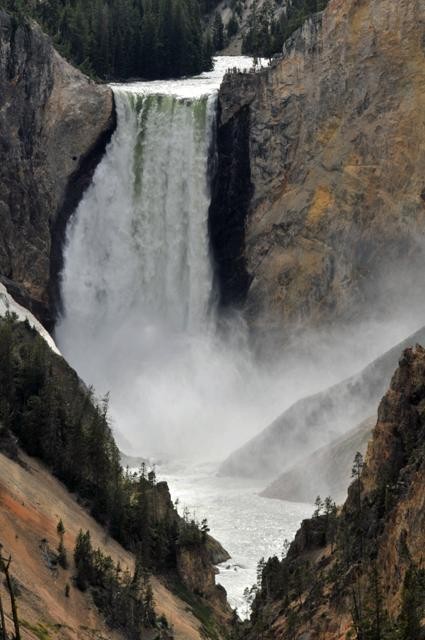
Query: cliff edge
(334,159)
(54,125)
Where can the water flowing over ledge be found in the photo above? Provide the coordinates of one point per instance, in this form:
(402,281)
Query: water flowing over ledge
(137,284)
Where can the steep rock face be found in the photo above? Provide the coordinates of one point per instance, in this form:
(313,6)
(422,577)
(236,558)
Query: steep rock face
(230,197)
(31,503)
(336,161)
(54,124)
(325,472)
(316,420)
(367,570)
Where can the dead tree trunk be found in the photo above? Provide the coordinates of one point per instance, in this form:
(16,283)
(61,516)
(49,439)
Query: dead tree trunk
(4,565)
(2,621)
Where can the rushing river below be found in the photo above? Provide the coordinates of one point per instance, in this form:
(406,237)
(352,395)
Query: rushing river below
(247,525)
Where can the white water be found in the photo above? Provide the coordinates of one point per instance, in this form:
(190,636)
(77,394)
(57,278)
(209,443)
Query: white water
(249,527)
(9,305)
(139,315)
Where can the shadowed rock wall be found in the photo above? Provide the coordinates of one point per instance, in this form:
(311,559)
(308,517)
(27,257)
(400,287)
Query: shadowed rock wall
(54,125)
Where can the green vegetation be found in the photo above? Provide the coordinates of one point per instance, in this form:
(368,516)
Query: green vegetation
(232,26)
(39,630)
(266,33)
(200,610)
(125,600)
(120,39)
(56,418)
(218,32)
(62,555)
(348,574)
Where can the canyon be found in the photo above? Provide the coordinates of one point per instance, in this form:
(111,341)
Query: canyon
(185,248)
(360,580)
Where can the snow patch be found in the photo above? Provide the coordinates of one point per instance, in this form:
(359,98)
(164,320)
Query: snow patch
(9,305)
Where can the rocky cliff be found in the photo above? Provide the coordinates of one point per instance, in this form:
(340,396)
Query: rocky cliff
(325,472)
(361,573)
(54,125)
(335,164)
(316,420)
(47,410)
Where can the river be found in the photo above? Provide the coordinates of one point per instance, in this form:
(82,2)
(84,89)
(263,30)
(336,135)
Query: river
(248,526)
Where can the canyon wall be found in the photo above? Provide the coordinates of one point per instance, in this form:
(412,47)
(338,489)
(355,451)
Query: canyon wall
(336,167)
(360,572)
(317,420)
(54,125)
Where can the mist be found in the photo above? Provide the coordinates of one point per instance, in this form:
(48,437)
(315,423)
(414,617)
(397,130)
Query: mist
(139,315)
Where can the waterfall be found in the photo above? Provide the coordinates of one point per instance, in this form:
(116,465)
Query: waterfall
(137,285)
(139,319)
(138,243)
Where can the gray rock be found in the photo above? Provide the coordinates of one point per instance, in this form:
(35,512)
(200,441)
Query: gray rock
(336,157)
(317,420)
(325,472)
(54,125)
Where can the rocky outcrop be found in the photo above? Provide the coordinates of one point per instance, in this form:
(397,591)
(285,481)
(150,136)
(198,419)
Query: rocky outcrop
(326,472)
(316,420)
(195,570)
(336,162)
(361,573)
(216,551)
(198,577)
(54,125)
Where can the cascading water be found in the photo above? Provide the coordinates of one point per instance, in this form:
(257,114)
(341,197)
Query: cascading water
(138,247)
(139,318)
(137,284)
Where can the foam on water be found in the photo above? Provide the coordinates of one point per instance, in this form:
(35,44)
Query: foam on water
(248,526)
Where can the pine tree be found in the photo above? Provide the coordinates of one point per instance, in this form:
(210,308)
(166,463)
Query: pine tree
(83,555)
(62,556)
(232,26)
(218,32)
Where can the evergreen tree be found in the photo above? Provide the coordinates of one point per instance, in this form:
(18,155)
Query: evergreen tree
(62,556)
(232,26)
(120,39)
(218,32)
